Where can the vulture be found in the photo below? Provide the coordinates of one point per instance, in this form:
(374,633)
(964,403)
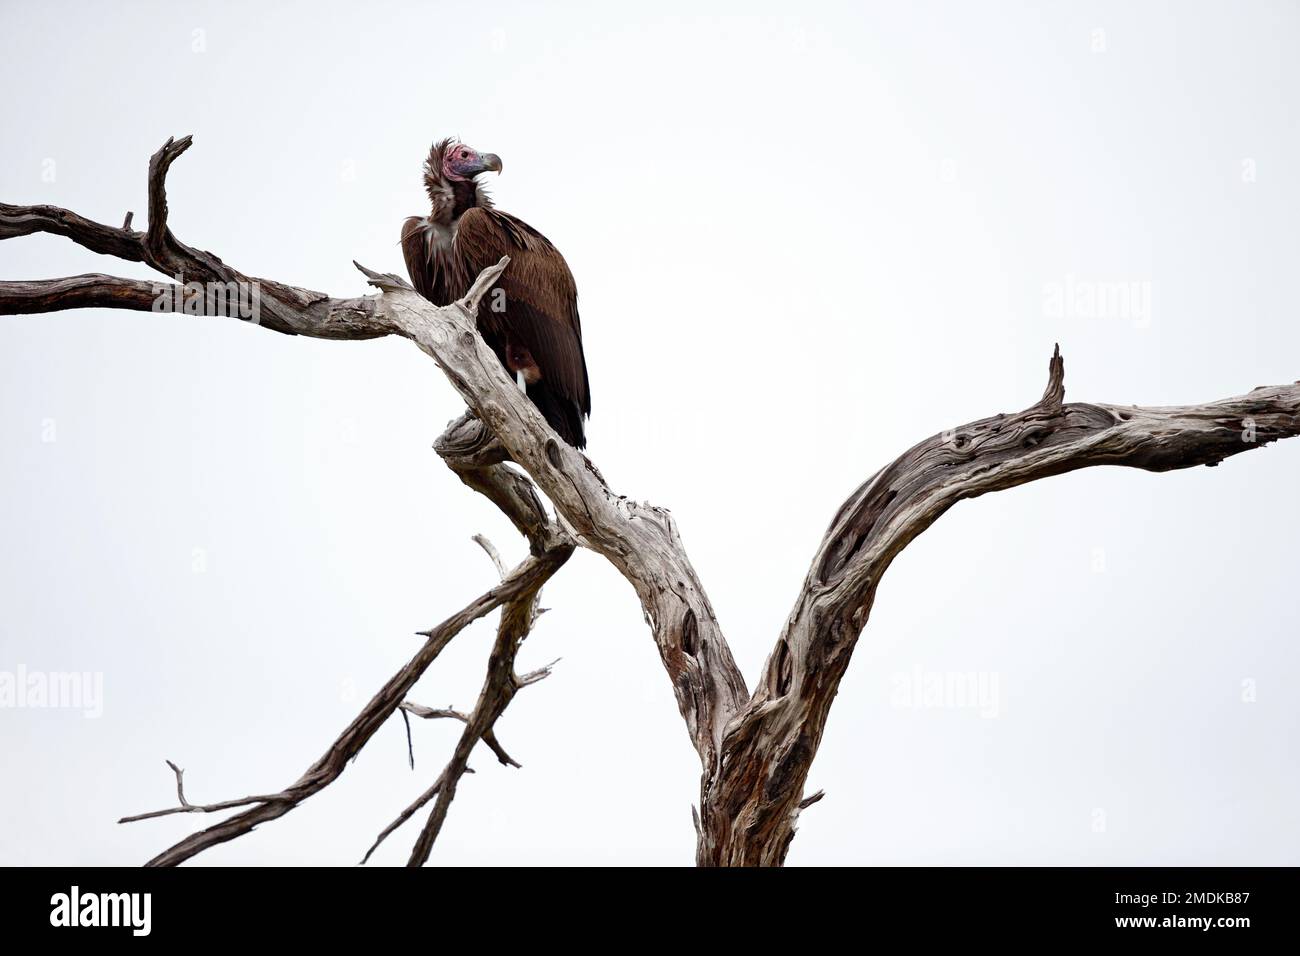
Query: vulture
(533,328)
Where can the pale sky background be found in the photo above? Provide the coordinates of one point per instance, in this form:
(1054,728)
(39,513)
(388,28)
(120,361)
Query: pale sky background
(805,236)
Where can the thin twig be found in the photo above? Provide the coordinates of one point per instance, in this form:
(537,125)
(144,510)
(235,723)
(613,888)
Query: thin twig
(489,738)
(492,553)
(187,807)
(807,802)
(410,746)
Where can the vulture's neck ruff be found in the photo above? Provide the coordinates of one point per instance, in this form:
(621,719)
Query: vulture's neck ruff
(449,198)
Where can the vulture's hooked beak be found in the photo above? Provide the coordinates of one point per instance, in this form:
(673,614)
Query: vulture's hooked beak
(490,162)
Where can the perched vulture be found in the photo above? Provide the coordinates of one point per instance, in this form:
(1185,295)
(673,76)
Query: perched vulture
(534,327)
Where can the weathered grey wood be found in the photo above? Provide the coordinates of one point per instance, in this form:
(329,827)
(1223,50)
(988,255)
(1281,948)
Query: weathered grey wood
(316,315)
(755,763)
(521,584)
(639,539)
(499,688)
(91,291)
(489,738)
(755,750)
(768,748)
(283,308)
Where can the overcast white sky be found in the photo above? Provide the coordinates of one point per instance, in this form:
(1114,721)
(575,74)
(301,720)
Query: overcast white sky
(805,237)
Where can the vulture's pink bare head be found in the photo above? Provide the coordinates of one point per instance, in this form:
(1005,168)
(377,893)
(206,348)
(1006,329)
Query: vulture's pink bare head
(461,162)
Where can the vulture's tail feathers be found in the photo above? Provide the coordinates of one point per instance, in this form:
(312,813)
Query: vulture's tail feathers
(560,413)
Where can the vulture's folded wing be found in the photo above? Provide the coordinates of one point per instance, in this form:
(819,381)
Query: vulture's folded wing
(415,250)
(541,299)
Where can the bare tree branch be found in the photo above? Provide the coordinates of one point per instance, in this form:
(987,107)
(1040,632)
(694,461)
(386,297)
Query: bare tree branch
(121,243)
(160,245)
(525,579)
(186,807)
(532,677)
(807,802)
(517,620)
(406,814)
(640,540)
(90,291)
(769,747)
(492,553)
(489,737)
(282,308)
(499,688)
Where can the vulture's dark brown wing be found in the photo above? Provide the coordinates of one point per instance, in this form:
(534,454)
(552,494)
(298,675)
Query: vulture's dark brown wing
(541,298)
(415,250)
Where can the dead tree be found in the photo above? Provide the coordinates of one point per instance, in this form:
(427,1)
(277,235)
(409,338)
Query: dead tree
(755,748)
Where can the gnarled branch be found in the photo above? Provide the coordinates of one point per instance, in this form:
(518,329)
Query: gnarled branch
(282,308)
(769,747)
(524,580)
(640,540)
